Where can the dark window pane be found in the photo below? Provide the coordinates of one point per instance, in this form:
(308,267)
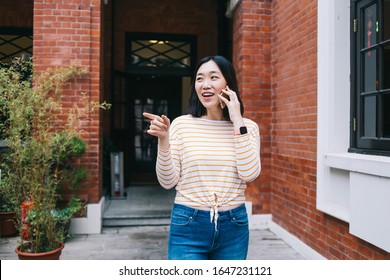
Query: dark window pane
(370,26)
(370,83)
(12,46)
(386,67)
(386,115)
(386,19)
(370,116)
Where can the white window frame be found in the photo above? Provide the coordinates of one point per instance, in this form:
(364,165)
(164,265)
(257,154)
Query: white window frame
(339,192)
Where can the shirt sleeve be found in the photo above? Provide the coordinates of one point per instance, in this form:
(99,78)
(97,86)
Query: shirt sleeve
(248,153)
(168,162)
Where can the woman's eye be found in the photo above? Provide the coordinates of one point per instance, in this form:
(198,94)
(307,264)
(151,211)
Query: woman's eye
(214,77)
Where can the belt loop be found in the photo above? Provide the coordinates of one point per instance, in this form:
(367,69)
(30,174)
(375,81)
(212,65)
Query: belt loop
(195,214)
(231,213)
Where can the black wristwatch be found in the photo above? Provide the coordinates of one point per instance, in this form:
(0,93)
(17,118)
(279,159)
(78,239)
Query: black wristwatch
(242,130)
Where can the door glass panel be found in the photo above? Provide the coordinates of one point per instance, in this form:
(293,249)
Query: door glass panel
(143,142)
(138,105)
(145,145)
(370,26)
(370,116)
(370,77)
(159,95)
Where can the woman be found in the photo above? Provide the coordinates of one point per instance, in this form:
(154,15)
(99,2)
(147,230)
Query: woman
(208,155)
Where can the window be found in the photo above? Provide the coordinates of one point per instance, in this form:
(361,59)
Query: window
(160,53)
(15,42)
(370,77)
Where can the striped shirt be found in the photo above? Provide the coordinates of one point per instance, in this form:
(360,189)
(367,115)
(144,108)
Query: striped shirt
(208,164)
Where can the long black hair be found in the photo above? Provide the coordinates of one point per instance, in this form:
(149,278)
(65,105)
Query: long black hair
(195,107)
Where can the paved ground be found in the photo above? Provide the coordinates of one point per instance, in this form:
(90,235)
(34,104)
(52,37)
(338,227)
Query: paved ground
(148,243)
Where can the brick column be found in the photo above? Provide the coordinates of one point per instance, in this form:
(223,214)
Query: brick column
(68,32)
(252,60)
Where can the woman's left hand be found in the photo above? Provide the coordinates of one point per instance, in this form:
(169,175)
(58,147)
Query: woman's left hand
(233,106)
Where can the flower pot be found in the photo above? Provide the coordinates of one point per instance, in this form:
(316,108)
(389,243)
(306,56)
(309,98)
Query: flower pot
(51,255)
(7,224)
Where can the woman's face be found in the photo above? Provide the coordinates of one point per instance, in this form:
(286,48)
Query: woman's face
(209,82)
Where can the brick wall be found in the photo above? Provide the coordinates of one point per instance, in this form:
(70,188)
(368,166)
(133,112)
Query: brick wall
(68,32)
(252,60)
(294,106)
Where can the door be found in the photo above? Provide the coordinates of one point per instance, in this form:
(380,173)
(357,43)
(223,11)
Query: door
(134,95)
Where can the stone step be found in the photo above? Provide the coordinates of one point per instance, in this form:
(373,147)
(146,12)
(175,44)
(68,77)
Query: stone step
(121,222)
(160,218)
(142,206)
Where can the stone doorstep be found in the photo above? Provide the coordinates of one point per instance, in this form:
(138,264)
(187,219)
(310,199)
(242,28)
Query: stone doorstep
(142,221)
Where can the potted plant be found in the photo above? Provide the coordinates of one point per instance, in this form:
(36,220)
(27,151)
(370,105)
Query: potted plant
(7,218)
(43,143)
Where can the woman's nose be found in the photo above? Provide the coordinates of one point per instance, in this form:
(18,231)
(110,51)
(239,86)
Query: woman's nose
(206,83)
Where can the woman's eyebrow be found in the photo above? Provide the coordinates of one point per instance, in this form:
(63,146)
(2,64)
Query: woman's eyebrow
(211,72)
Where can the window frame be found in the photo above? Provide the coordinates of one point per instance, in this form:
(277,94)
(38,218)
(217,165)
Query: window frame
(161,70)
(358,143)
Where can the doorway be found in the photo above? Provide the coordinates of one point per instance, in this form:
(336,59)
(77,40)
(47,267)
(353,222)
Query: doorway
(133,95)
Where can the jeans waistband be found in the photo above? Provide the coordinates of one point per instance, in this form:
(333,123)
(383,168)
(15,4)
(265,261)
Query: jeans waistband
(206,214)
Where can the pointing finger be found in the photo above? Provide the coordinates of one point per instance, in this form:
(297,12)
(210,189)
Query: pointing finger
(150,116)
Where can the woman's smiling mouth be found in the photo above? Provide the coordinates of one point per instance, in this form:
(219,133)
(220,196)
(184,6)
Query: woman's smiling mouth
(207,95)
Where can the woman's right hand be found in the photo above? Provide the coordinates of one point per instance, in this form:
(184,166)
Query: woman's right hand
(159,127)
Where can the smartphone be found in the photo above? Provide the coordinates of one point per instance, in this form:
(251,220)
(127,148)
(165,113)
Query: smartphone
(226,96)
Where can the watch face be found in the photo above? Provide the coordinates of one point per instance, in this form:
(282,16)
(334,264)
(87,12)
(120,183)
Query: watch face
(243,130)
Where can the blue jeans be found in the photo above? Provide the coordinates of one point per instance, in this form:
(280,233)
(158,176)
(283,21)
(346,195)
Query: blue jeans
(193,237)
